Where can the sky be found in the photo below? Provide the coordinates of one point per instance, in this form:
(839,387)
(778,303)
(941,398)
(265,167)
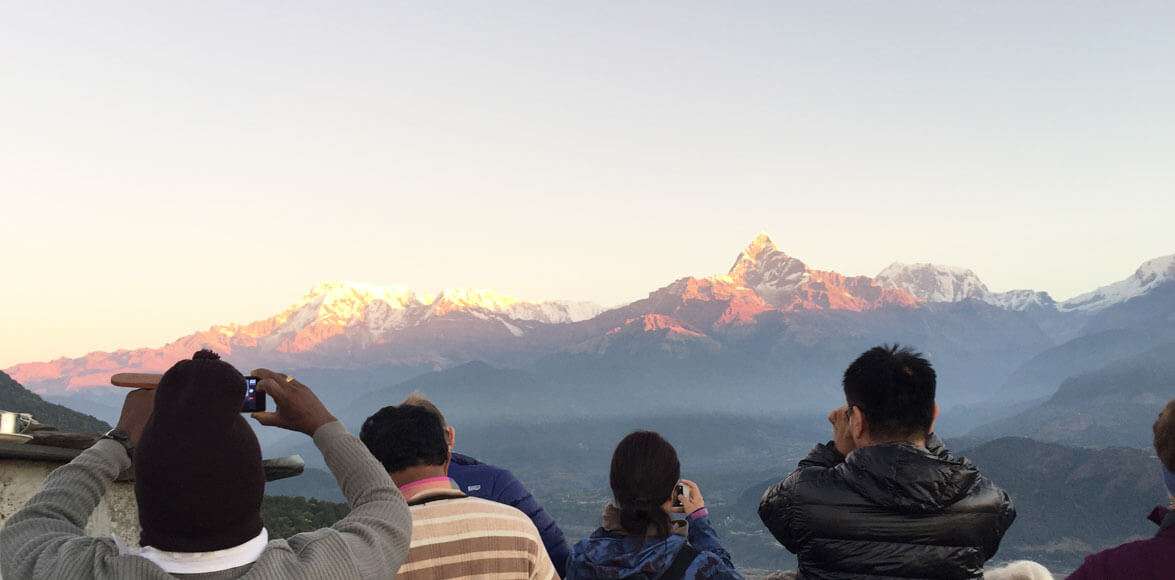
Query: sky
(168,167)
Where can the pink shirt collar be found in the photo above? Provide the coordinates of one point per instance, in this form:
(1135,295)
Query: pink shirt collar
(413,489)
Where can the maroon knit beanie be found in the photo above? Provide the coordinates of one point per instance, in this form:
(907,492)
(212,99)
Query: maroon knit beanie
(198,474)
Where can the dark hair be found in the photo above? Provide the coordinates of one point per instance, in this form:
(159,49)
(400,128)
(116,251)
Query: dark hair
(405,436)
(644,471)
(1164,430)
(894,387)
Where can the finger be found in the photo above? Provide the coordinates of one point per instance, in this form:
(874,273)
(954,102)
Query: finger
(269,419)
(282,378)
(693,486)
(139,395)
(264,374)
(294,382)
(276,389)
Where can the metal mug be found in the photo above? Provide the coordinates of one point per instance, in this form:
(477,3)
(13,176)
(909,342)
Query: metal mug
(13,423)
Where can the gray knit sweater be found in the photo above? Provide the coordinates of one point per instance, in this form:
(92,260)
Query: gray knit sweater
(45,539)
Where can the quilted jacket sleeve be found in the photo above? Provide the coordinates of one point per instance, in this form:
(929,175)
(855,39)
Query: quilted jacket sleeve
(777,506)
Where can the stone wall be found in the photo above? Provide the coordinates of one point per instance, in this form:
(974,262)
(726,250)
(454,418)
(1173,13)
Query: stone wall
(116,515)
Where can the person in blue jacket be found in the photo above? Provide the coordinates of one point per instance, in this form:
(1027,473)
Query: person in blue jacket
(486,481)
(637,538)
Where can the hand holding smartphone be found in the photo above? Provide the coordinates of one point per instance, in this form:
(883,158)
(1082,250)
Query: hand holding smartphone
(687,498)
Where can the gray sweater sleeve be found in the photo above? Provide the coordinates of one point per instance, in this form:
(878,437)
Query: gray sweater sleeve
(46,539)
(371,542)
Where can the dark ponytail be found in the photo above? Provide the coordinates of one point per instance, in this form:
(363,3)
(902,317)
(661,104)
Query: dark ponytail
(645,470)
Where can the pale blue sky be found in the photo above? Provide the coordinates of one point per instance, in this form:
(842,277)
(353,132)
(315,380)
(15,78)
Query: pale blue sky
(170,167)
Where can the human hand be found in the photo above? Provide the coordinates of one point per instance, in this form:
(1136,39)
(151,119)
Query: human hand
(839,417)
(691,501)
(298,408)
(136,410)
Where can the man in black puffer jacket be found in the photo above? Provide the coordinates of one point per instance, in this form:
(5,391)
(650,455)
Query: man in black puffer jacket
(884,499)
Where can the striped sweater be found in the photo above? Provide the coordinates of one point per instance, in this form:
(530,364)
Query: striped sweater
(456,536)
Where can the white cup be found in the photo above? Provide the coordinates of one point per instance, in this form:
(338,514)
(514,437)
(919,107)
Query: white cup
(7,423)
(14,422)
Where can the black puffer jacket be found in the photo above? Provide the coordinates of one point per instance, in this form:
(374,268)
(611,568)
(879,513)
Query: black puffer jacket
(888,511)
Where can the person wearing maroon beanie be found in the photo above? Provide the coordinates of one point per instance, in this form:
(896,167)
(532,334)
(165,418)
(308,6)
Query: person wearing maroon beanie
(199,483)
(196,452)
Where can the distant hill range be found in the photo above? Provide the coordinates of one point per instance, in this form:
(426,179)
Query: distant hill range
(1070,501)
(772,326)
(1112,405)
(16,398)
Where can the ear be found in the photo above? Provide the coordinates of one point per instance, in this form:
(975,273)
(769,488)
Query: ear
(858,425)
(934,418)
(451,436)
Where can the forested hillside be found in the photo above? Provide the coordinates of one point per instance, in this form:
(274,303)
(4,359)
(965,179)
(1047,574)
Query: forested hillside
(16,398)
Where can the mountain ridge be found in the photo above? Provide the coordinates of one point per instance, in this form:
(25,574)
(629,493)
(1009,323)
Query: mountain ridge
(765,291)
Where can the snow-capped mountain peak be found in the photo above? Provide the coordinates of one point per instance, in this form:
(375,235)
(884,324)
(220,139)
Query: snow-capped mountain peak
(1157,271)
(343,302)
(934,282)
(348,302)
(762,244)
(1150,275)
(1022,300)
(939,283)
(789,284)
(765,268)
(337,321)
(371,312)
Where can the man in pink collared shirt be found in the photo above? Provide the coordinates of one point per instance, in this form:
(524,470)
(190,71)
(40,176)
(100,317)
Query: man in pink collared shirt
(453,535)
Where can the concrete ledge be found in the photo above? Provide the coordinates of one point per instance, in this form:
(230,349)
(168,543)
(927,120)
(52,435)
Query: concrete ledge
(275,468)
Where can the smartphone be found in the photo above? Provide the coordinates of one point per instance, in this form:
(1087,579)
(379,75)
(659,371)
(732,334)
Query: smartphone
(680,491)
(254,398)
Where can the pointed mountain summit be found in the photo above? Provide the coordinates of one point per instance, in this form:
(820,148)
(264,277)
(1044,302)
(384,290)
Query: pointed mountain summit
(767,269)
(789,284)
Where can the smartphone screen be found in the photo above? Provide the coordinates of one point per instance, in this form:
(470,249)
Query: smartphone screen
(254,399)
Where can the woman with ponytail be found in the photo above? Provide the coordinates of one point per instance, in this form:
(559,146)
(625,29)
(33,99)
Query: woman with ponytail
(638,538)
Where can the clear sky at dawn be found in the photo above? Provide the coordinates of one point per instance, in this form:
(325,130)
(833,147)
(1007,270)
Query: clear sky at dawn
(166,167)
